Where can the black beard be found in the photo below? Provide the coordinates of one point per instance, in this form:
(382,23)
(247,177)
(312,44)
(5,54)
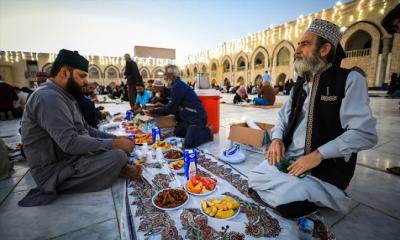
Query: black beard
(74,89)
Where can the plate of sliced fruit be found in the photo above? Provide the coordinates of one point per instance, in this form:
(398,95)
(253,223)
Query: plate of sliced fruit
(134,130)
(177,166)
(201,186)
(220,207)
(145,138)
(161,144)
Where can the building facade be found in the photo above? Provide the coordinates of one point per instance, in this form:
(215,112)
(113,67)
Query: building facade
(21,68)
(369,48)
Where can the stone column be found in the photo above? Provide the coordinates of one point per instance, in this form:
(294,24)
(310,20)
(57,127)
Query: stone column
(387,41)
(249,75)
(233,75)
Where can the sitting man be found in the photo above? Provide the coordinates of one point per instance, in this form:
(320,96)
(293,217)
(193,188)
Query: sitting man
(186,105)
(63,152)
(162,94)
(391,23)
(7,98)
(241,94)
(266,95)
(323,125)
(149,85)
(142,98)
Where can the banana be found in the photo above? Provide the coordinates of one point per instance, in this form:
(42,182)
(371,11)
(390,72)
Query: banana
(213,211)
(220,208)
(235,205)
(208,210)
(203,204)
(224,214)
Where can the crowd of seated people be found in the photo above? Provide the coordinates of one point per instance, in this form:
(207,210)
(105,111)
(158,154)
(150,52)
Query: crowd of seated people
(394,86)
(12,100)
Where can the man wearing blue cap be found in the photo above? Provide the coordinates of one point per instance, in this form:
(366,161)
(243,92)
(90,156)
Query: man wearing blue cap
(63,152)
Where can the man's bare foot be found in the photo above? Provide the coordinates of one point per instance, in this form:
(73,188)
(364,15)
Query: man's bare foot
(133,172)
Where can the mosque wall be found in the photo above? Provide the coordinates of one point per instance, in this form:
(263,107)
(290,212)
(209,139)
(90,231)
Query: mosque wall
(369,48)
(21,68)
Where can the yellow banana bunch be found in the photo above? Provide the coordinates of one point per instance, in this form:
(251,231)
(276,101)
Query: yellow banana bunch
(221,207)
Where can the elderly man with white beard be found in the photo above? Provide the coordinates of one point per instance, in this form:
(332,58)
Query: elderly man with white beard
(319,131)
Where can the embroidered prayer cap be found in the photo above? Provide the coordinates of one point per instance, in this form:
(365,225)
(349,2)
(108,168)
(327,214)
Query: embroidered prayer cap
(158,83)
(325,29)
(72,59)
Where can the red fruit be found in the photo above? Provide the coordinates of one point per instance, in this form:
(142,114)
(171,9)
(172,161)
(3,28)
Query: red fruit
(209,183)
(195,180)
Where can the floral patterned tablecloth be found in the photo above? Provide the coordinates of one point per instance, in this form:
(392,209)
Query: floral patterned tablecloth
(253,222)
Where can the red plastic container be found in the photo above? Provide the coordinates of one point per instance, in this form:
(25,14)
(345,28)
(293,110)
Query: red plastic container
(210,99)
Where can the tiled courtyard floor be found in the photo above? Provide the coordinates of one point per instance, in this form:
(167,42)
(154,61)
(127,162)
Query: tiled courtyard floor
(375,213)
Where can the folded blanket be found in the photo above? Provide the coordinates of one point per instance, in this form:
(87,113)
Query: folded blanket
(277,188)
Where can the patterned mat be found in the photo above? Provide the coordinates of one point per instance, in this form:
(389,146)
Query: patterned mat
(253,222)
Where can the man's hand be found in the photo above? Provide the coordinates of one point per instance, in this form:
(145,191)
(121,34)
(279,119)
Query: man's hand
(124,144)
(136,111)
(305,163)
(158,104)
(276,151)
(151,112)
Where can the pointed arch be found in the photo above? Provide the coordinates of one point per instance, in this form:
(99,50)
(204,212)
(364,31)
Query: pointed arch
(203,68)
(283,44)
(255,55)
(362,42)
(111,72)
(158,72)
(47,68)
(95,72)
(241,61)
(144,72)
(226,63)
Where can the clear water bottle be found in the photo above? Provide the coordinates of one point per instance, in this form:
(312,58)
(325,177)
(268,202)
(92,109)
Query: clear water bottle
(159,154)
(145,149)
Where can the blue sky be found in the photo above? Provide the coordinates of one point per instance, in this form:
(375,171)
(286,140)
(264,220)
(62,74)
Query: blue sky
(113,27)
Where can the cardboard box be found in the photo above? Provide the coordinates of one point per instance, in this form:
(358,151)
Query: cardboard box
(146,118)
(168,121)
(251,139)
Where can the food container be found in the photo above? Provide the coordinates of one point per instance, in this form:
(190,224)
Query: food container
(154,199)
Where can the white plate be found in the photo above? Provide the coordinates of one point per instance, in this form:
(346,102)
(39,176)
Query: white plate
(217,197)
(174,159)
(169,209)
(180,170)
(199,194)
(170,147)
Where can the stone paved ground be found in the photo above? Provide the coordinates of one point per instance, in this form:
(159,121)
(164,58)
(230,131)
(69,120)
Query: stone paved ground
(375,213)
